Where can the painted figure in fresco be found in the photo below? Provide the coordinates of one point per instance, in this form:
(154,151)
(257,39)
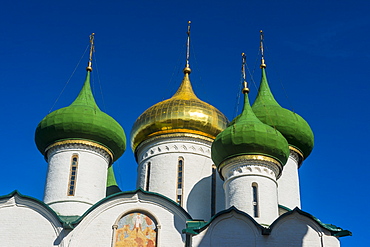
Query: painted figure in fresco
(136,230)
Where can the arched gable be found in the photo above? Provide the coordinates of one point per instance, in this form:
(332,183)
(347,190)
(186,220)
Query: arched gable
(98,227)
(26,221)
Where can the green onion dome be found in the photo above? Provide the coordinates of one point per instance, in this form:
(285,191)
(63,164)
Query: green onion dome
(247,135)
(293,127)
(82,120)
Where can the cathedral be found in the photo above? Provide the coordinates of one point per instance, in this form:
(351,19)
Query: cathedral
(202,180)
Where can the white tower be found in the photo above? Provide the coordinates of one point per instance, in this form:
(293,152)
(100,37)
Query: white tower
(250,156)
(288,183)
(79,143)
(172,142)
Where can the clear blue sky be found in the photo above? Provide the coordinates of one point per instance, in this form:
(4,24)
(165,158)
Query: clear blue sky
(317,54)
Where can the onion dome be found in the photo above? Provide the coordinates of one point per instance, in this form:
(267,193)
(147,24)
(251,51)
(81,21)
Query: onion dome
(293,127)
(247,135)
(82,121)
(183,113)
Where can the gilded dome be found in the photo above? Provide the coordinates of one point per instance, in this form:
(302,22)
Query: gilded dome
(82,120)
(247,135)
(182,113)
(293,127)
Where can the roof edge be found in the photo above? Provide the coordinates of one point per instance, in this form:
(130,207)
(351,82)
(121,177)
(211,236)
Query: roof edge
(199,226)
(333,229)
(65,223)
(79,219)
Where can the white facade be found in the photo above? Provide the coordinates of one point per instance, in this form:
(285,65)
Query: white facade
(236,229)
(98,227)
(288,184)
(88,178)
(158,171)
(29,222)
(26,222)
(250,186)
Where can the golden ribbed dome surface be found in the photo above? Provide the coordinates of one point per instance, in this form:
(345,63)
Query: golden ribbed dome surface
(182,113)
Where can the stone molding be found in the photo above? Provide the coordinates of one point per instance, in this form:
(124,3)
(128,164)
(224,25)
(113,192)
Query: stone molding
(79,146)
(296,157)
(250,168)
(174,145)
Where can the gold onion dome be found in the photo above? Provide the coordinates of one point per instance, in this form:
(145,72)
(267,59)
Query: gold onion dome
(183,114)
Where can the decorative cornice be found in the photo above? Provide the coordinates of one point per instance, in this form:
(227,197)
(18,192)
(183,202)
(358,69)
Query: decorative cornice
(174,145)
(170,137)
(261,160)
(253,168)
(296,155)
(80,142)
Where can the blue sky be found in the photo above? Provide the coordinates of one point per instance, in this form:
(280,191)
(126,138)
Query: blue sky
(316,53)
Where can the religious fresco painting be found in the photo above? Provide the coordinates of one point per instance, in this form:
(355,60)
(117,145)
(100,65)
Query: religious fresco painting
(136,230)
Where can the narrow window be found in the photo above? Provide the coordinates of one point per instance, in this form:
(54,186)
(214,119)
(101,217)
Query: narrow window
(213,191)
(180,168)
(72,175)
(255,200)
(147,176)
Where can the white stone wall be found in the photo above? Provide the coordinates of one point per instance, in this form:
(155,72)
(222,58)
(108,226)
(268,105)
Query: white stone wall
(28,223)
(163,155)
(228,230)
(297,230)
(288,183)
(233,229)
(220,193)
(96,229)
(90,183)
(240,176)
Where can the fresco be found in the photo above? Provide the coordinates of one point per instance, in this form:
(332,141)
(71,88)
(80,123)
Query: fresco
(136,230)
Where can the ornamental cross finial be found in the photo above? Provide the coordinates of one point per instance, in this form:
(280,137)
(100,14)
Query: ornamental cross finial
(92,49)
(187,69)
(245,84)
(263,65)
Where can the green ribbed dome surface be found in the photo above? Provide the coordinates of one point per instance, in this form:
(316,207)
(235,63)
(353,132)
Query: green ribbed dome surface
(247,135)
(293,127)
(82,120)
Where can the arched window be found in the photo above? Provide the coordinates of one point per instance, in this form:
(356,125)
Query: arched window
(255,200)
(180,178)
(136,229)
(148,166)
(213,190)
(73,175)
